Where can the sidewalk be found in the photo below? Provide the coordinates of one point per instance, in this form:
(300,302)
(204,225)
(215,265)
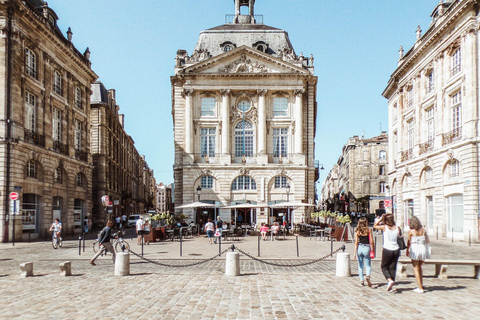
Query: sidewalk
(263,291)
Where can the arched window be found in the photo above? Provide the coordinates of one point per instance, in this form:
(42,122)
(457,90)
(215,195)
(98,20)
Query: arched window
(79,180)
(281,182)
(454,168)
(244,139)
(30,63)
(58,175)
(428,175)
(31,169)
(206,182)
(244,183)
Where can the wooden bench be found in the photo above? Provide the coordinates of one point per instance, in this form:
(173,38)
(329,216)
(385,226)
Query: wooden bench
(441,267)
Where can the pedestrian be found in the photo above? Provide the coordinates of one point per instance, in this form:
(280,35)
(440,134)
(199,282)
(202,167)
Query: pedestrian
(209,228)
(118,221)
(417,250)
(391,250)
(86,224)
(104,243)
(124,220)
(363,247)
(139,228)
(146,230)
(219,228)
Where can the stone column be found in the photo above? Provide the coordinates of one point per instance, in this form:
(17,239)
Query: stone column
(225,121)
(188,120)
(298,113)
(262,122)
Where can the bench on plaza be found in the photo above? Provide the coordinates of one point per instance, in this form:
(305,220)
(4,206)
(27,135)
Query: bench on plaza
(27,269)
(441,267)
(65,268)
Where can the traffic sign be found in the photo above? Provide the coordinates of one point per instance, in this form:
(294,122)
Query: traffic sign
(13,195)
(105,200)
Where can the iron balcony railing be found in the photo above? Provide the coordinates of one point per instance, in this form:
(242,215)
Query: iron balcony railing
(60,147)
(81,155)
(454,135)
(35,138)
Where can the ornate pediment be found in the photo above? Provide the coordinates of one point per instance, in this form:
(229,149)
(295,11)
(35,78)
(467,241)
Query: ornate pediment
(242,61)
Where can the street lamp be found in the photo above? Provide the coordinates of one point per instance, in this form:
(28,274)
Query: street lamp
(288,207)
(199,191)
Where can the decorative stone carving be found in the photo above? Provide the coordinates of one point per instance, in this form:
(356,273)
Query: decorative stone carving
(187,92)
(450,154)
(244,65)
(206,172)
(243,171)
(299,92)
(225,92)
(262,92)
(287,54)
(199,55)
(282,172)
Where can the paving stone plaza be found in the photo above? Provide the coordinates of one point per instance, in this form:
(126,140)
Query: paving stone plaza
(262,291)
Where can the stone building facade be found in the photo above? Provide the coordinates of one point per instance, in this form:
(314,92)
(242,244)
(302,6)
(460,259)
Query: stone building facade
(244,114)
(433,106)
(164,198)
(359,181)
(44,123)
(120,172)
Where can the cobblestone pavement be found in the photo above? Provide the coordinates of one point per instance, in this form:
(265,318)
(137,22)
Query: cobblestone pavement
(263,291)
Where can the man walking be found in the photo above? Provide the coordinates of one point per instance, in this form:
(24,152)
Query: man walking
(139,227)
(104,243)
(219,225)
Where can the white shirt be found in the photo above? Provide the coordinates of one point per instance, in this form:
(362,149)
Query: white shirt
(139,224)
(57,227)
(390,239)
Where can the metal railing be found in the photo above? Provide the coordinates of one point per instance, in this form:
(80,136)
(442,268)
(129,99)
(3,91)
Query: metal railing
(81,155)
(35,138)
(60,147)
(454,135)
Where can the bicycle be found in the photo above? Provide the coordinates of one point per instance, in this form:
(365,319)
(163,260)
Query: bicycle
(56,241)
(118,243)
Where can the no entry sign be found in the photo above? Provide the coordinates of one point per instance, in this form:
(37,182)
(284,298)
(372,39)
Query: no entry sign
(13,195)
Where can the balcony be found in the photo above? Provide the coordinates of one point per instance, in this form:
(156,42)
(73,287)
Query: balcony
(35,138)
(60,147)
(205,158)
(454,135)
(81,155)
(406,155)
(425,147)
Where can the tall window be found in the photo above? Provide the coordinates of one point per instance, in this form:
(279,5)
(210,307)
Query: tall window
(30,211)
(78,97)
(30,63)
(280,145)
(430,81)
(57,82)
(454,168)
(381,170)
(244,139)
(58,175)
(281,182)
(456,113)
(207,107)
(382,187)
(79,180)
(455,218)
(30,111)
(410,97)
(408,211)
(456,62)
(430,125)
(244,183)
(57,125)
(429,175)
(280,107)
(207,142)
(78,135)
(206,182)
(382,155)
(31,169)
(395,112)
(411,137)
(409,180)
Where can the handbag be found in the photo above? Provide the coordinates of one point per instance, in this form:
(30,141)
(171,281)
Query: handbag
(217,234)
(372,254)
(401,241)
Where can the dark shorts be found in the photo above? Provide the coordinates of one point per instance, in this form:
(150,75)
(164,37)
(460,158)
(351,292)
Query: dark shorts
(210,234)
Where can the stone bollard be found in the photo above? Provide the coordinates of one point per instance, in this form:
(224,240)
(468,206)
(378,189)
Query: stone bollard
(232,264)
(401,271)
(343,265)
(27,269)
(65,268)
(122,264)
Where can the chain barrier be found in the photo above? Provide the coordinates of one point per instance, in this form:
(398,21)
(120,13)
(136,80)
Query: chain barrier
(179,265)
(233,248)
(291,265)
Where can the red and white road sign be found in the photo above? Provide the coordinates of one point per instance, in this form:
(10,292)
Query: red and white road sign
(105,200)
(388,203)
(13,195)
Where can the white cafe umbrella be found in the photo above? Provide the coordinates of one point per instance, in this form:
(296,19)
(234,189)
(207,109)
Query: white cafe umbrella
(197,204)
(291,204)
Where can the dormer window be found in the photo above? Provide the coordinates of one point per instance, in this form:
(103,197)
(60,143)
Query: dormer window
(227,46)
(261,46)
(51,20)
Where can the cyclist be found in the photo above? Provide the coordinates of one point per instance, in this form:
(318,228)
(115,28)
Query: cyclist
(57,228)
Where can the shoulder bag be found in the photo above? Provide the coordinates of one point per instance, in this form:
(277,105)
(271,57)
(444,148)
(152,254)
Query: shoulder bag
(401,241)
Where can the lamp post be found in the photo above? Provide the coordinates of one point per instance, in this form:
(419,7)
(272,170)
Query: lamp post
(288,198)
(199,191)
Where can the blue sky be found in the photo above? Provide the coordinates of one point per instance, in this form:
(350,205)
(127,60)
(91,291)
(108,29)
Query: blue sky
(355,45)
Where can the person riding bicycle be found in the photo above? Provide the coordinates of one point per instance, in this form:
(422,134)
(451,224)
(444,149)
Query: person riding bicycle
(56,228)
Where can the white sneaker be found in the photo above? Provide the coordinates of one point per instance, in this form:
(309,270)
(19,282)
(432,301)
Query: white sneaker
(390,285)
(418,290)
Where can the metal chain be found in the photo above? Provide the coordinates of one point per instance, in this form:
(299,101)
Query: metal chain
(180,265)
(291,265)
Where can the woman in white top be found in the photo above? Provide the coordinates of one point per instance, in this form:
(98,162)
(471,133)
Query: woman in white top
(209,228)
(391,251)
(417,250)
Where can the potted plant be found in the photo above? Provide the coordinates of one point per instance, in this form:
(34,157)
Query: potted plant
(340,230)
